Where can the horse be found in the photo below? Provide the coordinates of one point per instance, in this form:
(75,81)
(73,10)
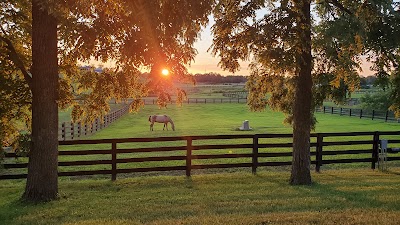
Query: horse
(161,119)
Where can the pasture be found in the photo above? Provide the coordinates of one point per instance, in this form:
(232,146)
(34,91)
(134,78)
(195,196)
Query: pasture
(212,119)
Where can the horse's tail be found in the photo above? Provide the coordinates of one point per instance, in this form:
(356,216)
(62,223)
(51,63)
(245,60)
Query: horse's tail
(172,124)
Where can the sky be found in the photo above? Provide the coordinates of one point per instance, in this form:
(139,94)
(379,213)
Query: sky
(205,62)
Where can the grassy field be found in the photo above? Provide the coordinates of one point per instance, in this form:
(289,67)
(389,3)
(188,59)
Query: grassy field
(336,197)
(208,119)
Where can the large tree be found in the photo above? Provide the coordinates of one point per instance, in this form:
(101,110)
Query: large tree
(300,63)
(135,34)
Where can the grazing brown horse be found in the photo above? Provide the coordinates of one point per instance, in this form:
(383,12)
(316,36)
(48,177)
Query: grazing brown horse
(161,119)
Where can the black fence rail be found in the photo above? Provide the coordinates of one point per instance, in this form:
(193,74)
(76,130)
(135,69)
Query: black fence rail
(236,94)
(71,131)
(201,100)
(369,114)
(188,153)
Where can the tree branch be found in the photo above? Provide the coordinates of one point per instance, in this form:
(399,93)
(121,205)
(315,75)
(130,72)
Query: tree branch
(340,6)
(13,56)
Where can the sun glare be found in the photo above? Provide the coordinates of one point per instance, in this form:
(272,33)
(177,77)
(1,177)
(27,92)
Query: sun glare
(165,72)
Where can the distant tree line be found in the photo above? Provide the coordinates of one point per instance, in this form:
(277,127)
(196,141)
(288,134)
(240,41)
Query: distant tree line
(216,78)
(367,82)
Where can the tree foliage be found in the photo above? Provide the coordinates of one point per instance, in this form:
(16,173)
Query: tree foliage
(136,34)
(275,36)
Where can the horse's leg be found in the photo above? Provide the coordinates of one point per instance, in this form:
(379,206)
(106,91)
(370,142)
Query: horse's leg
(166,125)
(151,127)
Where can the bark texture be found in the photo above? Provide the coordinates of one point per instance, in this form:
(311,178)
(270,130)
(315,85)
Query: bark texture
(300,174)
(42,180)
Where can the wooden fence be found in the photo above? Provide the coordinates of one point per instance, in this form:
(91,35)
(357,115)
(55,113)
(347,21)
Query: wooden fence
(236,94)
(201,100)
(71,131)
(196,153)
(370,114)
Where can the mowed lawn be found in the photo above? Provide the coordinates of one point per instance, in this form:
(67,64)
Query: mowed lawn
(336,197)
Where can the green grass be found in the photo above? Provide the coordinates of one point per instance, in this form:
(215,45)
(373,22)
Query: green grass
(336,197)
(209,119)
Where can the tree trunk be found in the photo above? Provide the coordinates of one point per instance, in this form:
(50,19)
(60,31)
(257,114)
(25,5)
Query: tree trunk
(42,181)
(302,105)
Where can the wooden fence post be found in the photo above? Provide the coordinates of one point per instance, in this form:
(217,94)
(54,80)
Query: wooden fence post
(341,110)
(318,155)
(360,113)
(373,114)
(332,110)
(350,112)
(79,129)
(189,149)
(375,150)
(324,109)
(72,130)
(113,161)
(386,117)
(255,155)
(63,133)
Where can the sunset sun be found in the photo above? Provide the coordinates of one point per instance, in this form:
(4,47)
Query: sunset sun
(165,72)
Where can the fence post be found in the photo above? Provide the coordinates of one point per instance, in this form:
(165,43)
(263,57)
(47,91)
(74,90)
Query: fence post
(373,114)
(332,110)
(386,117)
(63,135)
(189,148)
(72,130)
(318,155)
(113,161)
(255,155)
(350,112)
(375,150)
(79,129)
(341,110)
(324,109)
(360,113)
